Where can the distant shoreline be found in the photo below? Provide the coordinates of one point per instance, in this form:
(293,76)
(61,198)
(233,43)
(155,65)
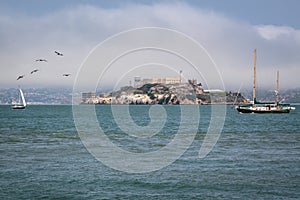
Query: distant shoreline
(229,104)
(52,96)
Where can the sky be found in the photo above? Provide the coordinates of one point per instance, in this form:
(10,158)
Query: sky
(229,31)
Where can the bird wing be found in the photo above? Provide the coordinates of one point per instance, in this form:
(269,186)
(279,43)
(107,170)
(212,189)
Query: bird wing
(20,77)
(58,53)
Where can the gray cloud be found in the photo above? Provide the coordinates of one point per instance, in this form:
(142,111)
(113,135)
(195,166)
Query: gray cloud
(77,30)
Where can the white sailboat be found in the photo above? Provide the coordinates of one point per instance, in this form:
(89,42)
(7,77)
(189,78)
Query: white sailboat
(21,104)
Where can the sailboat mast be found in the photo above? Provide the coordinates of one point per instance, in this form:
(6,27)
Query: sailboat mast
(254,82)
(19,98)
(277,88)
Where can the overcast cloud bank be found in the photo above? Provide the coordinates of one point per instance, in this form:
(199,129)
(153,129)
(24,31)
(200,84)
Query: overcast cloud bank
(77,30)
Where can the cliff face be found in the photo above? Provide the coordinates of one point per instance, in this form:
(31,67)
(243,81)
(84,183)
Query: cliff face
(173,94)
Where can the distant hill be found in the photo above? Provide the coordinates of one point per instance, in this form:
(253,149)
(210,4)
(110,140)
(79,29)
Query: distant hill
(38,95)
(287,96)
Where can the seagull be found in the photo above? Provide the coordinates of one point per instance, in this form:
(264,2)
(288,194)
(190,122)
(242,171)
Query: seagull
(66,74)
(41,60)
(22,76)
(58,53)
(34,71)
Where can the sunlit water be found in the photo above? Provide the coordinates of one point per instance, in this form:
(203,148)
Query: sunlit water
(256,157)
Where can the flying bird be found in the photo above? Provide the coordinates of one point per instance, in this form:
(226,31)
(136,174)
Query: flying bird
(22,76)
(41,60)
(66,74)
(58,53)
(33,71)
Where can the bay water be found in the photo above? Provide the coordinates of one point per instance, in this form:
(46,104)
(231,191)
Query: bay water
(257,156)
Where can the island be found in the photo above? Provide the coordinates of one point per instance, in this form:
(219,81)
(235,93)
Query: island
(164,93)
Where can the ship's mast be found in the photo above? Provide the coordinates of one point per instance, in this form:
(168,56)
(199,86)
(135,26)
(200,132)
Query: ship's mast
(180,72)
(254,83)
(277,88)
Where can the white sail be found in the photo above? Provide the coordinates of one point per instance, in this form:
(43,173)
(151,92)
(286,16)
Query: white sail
(19,105)
(22,96)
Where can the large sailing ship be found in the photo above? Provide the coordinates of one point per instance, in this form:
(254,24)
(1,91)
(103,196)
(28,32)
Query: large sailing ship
(265,107)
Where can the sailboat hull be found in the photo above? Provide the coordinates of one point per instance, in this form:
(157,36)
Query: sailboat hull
(253,110)
(18,107)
